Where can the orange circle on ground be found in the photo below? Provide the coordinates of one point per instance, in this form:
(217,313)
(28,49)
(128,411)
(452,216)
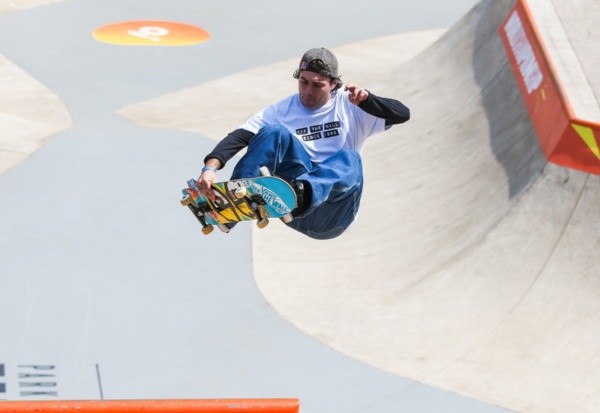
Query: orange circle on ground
(151,33)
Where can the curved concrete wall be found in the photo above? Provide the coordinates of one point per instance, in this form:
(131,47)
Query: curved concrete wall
(470,266)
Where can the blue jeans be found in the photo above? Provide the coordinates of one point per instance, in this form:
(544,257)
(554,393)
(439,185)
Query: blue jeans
(336,183)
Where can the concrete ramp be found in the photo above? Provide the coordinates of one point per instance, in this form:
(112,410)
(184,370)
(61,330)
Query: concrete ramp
(473,263)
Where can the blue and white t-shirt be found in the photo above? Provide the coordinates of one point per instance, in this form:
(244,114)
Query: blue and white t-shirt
(337,125)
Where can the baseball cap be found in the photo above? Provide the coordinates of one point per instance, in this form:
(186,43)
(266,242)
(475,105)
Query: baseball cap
(319,60)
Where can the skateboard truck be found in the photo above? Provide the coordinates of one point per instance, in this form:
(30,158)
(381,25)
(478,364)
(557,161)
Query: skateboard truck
(257,206)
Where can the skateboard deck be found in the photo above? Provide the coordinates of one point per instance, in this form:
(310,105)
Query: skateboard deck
(239,200)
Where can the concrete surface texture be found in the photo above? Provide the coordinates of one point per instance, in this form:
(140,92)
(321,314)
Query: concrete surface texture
(579,20)
(471,266)
(568,31)
(24,126)
(8,6)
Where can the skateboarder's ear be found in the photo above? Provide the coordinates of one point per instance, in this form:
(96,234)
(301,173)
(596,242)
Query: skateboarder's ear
(335,83)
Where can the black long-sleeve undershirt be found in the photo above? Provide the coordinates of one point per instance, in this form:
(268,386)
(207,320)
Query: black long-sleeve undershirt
(392,110)
(230,145)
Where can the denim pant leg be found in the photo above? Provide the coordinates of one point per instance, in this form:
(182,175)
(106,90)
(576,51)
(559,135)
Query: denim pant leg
(336,183)
(337,186)
(277,149)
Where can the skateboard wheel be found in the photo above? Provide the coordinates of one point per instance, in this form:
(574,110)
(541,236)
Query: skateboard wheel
(262,223)
(264,171)
(240,192)
(287,218)
(207,229)
(186,200)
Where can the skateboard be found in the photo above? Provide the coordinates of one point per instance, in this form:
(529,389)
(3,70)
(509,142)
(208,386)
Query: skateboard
(239,200)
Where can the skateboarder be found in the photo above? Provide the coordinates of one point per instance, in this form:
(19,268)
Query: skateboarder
(313,140)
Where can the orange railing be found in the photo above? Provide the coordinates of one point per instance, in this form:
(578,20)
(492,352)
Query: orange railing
(154,406)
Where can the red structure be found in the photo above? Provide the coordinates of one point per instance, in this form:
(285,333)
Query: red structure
(566,139)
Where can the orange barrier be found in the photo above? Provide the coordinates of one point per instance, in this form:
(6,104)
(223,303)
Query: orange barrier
(154,406)
(565,139)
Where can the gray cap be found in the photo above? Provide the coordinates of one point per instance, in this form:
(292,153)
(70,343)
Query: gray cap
(319,60)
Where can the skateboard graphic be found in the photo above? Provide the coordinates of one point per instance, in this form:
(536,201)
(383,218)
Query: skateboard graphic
(238,200)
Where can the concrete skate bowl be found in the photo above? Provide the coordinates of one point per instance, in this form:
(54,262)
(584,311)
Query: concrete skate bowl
(472,264)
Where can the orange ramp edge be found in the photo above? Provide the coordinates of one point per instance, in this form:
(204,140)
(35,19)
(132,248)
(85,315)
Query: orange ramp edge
(566,140)
(154,406)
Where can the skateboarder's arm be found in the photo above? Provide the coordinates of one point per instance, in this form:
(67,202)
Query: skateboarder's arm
(224,151)
(392,110)
(229,146)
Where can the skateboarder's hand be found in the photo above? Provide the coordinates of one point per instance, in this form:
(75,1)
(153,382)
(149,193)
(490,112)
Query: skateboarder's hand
(356,94)
(206,179)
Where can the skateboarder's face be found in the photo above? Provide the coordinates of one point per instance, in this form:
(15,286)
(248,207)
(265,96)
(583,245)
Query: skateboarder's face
(315,89)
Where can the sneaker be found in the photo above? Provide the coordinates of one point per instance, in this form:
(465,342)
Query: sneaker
(303,197)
